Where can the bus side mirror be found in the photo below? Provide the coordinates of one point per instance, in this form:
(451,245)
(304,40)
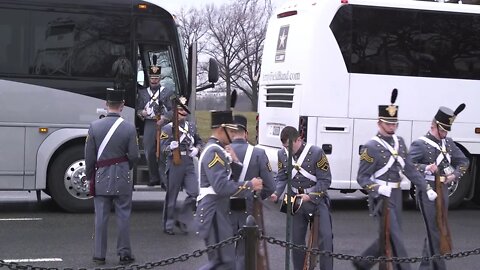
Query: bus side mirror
(212,70)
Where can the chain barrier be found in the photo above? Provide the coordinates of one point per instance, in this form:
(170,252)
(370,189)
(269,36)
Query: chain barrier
(149,265)
(372,259)
(271,240)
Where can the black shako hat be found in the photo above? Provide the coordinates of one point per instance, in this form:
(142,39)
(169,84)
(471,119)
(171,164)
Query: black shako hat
(240,121)
(445,116)
(182,103)
(154,71)
(389,113)
(222,119)
(115,95)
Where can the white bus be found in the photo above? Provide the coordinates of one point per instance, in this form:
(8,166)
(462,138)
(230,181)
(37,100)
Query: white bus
(327,65)
(58,57)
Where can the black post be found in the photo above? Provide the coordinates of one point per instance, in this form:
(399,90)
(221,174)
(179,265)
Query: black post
(251,243)
(288,236)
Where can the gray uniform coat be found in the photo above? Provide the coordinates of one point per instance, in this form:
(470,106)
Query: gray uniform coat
(113,184)
(423,154)
(259,166)
(212,215)
(163,106)
(315,163)
(374,156)
(182,175)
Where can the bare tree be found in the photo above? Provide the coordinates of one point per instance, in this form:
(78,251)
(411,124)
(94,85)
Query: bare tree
(223,25)
(193,25)
(252,36)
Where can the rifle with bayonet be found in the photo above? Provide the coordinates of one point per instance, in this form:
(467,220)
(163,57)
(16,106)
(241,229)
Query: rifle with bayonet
(441,217)
(385,239)
(262,254)
(310,259)
(176,132)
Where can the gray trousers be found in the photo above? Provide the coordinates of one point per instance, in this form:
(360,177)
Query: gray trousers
(300,225)
(183,175)
(432,241)
(150,147)
(223,258)
(396,238)
(123,208)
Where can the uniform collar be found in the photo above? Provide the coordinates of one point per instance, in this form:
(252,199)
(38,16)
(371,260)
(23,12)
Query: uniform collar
(215,140)
(239,140)
(388,139)
(431,137)
(113,114)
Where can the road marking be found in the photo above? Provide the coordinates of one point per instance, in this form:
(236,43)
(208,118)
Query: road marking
(33,260)
(20,219)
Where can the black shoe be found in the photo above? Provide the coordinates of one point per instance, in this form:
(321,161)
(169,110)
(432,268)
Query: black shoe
(124,260)
(182,227)
(169,232)
(98,261)
(152,184)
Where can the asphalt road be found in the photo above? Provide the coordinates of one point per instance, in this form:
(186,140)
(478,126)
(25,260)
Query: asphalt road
(39,234)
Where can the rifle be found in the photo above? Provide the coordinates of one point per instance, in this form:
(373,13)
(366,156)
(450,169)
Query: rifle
(311,260)
(157,153)
(176,133)
(262,254)
(385,240)
(441,217)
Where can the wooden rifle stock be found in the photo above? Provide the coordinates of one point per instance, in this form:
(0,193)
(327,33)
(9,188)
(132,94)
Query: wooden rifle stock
(159,131)
(176,136)
(385,239)
(311,260)
(441,218)
(262,254)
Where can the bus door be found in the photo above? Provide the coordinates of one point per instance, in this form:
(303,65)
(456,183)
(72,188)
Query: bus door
(12,145)
(364,130)
(334,135)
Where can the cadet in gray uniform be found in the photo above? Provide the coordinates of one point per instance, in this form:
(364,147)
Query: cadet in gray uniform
(216,187)
(182,174)
(311,179)
(154,102)
(111,150)
(255,164)
(431,154)
(382,161)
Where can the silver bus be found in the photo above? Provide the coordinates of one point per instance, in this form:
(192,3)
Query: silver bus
(58,57)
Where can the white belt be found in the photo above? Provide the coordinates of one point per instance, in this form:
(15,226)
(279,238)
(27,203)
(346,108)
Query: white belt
(430,177)
(183,153)
(390,184)
(204,191)
(305,190)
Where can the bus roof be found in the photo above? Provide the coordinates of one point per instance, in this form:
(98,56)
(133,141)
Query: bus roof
(110,5)
(410,4)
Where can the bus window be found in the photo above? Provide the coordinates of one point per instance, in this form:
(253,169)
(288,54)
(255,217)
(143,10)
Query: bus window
(78,45)
(13,30)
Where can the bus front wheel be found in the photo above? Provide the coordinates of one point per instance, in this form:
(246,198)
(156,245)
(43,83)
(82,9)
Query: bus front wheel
(67,181)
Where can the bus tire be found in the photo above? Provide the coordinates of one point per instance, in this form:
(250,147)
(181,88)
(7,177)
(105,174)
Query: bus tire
(458,190)
(67,182)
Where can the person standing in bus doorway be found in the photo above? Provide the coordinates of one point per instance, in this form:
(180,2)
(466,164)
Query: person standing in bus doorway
(188,145)
(255,165)
(111,150)
(432,154)
(154,108)
(383,161)
(311,178)
(216,187)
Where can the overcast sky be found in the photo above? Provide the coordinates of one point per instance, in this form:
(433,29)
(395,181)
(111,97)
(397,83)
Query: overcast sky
(175,5)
